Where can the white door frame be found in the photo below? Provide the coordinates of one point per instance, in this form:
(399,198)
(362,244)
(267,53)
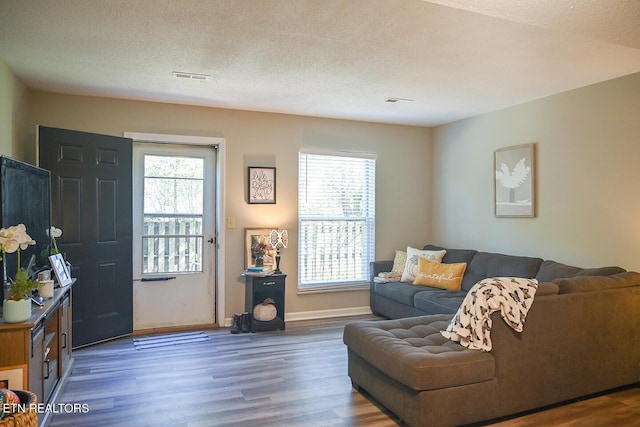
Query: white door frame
(220,201)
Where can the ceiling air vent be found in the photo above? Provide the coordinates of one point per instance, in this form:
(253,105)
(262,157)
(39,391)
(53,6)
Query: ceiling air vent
(190,76)
(390,99)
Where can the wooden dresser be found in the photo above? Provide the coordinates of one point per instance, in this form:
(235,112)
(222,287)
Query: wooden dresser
(36,355)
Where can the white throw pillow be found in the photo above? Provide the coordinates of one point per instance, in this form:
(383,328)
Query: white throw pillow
(411,267)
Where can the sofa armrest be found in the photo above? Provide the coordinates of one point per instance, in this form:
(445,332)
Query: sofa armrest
(376,267)
(572,345)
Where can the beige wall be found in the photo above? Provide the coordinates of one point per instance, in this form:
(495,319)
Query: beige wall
(13,114)
(588,146)
(588,143)
(262,139)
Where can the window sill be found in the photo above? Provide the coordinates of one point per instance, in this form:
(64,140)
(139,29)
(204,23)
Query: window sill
(334,288)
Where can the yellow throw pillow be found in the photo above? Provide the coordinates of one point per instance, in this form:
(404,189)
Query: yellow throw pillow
(442,276)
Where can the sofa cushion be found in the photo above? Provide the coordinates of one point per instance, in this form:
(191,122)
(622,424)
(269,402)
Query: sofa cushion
(453,256)
(551,270)
(439,275)
(597,283)
(413,352)
(438,301)
(411,267)
(397,291)
(547,288)
(485,264)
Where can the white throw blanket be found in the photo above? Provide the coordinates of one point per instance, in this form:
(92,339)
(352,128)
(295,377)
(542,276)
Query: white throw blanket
(471,326)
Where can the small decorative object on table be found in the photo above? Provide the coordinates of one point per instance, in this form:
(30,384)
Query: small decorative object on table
(279,239)
(16,307)
(46,289)
(265,311)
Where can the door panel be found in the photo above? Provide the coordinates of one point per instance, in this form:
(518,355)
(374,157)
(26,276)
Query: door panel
(107,215)
(91,201)
(69,196)
(174,235)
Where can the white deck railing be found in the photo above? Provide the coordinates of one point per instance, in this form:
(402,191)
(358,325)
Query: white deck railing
(172,243)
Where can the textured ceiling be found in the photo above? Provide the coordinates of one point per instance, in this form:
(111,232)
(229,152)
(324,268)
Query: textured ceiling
(329,58)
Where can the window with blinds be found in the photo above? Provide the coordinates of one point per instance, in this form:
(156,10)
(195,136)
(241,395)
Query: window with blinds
(336,219)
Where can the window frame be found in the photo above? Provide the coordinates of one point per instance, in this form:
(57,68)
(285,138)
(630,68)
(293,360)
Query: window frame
(353,224)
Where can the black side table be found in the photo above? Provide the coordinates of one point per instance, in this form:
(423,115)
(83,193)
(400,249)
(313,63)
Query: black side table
(260,288)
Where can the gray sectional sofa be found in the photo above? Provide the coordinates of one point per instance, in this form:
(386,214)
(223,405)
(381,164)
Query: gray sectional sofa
(581,336)
(397,299)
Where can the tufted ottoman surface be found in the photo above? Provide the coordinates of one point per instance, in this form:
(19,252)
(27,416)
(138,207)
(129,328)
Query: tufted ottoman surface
(413,352)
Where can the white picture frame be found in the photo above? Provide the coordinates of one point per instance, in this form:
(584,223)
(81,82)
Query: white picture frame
(514,173)
(60,269)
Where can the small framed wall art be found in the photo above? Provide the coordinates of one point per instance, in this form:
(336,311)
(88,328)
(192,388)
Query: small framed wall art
(514,181)
(262,185)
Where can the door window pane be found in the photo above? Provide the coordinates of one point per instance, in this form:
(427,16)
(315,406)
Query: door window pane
(173,207)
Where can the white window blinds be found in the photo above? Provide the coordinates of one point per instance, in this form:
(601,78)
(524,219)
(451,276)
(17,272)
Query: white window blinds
(336,219)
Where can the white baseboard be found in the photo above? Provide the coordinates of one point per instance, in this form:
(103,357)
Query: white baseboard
(325,314)
(319,314)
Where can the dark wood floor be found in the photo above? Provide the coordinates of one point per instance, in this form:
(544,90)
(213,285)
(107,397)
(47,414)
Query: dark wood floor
(296,377)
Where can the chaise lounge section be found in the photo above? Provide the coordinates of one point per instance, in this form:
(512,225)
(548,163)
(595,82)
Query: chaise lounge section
(581,336)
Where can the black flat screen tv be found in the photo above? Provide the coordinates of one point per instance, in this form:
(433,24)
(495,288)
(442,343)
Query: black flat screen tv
(25,198)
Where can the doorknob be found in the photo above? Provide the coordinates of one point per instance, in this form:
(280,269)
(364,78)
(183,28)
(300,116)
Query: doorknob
(210,240)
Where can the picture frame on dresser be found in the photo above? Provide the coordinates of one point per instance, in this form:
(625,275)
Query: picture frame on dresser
(60,269)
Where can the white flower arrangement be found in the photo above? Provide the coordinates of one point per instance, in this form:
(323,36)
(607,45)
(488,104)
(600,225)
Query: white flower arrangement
(14,239)
(54,232)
